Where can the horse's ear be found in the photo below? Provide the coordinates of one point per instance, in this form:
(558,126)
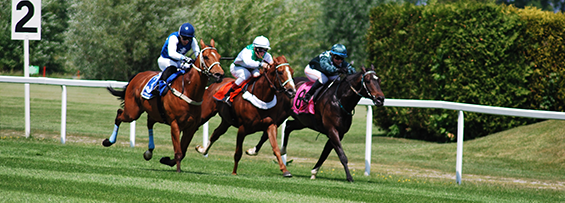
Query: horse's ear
(202,43)
(363,69)
(213,43)
(372,67)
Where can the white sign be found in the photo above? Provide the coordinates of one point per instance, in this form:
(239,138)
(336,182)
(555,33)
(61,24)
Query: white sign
(26,19)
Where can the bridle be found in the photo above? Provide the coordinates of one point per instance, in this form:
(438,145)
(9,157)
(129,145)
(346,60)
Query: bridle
(358,92)
(206,69)
(282,84)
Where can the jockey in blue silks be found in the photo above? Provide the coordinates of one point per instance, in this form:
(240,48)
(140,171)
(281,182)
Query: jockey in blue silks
(174,50)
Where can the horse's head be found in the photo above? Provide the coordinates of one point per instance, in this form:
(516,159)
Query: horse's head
(280,73)
(372,85)
(208,61)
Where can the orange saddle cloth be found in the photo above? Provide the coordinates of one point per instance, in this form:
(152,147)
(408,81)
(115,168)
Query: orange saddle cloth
(224,89)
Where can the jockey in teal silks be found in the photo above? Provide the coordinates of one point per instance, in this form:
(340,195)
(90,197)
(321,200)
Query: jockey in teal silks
(325,67)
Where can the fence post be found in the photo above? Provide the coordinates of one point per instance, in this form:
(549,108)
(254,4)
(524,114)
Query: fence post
(283,125)
(63,114)
(368,139)
(459,163)
(205,136)
(132,134)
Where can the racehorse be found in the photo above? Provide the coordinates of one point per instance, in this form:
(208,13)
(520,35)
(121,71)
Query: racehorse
(246,116)
(333,115)
(181,109)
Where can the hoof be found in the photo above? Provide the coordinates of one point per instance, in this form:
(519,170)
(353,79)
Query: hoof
(167,161)
(148,155)
(200,150)
(107,143)
(287,174)
(251,152)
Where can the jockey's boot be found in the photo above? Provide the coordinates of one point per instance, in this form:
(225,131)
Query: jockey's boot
(227,96)
(310,92)
(163,86)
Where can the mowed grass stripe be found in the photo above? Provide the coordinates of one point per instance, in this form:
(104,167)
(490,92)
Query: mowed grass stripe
(25,176)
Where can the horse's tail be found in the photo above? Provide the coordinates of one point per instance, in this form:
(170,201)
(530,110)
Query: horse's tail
(121,94)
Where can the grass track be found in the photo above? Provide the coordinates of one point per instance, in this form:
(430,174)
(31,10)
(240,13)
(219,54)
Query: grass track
(525,164)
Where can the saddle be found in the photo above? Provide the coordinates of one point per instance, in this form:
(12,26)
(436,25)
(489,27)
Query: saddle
(155,87)
(224,90)
(299,106)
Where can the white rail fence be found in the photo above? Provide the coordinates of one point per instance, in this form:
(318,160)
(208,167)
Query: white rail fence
(388,103)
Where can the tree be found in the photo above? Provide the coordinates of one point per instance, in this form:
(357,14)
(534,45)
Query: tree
(347,22)
(114,39)
(289,25)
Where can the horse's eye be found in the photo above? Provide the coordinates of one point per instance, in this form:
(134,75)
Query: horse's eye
(206,58)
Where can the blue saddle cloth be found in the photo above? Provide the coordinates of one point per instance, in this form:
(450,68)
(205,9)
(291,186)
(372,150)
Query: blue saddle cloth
(154,82)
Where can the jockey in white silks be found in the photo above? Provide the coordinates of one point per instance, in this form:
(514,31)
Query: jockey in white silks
(248,62)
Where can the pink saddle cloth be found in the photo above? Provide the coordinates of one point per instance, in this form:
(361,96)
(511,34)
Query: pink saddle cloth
(299,106)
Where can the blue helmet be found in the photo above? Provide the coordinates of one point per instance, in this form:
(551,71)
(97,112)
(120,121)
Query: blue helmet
(339,49)
(186,30)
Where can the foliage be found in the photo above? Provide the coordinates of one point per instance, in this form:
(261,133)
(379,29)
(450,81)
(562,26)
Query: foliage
(49,51)
(468,53)
(116,39)
(346,22)
(545,33)
(288,24)
(546,5)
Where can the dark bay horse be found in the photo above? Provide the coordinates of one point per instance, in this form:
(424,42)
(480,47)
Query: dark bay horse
(247,117)
(181,108)
(333,115)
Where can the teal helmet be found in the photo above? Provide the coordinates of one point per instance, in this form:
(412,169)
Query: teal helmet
(339,49)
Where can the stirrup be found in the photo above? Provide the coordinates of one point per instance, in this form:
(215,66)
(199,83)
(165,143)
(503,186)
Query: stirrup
(227,101)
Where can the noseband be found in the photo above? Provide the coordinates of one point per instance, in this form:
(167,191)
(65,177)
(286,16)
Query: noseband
(365,85)
(206,69)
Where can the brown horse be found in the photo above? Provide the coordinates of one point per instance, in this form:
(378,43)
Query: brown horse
(247,117)
(180,109)
(333,115)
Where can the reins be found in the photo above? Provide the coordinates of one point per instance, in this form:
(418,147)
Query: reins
(206,72)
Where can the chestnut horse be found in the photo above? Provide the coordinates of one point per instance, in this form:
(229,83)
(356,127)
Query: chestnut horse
(333,115)
(248,118)
(180,108)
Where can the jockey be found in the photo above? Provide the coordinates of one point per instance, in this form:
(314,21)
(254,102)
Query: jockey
(248,62)
(174,50)
(327,66)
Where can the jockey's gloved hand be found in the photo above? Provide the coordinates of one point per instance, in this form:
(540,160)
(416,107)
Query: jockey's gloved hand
(187,60)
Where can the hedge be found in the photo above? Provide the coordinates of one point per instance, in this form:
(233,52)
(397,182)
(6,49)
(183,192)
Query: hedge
(472,53)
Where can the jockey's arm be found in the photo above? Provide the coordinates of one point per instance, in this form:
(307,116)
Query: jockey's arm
(172,48)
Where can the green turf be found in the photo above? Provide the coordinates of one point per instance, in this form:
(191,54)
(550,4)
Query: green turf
(525,164)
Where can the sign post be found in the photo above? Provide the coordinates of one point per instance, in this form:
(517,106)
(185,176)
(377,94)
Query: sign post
(26,25)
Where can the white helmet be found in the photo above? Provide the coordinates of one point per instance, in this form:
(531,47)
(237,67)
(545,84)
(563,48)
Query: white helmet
(261,42)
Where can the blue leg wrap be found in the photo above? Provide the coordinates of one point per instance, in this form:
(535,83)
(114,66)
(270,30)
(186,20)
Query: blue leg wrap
(114,134)
(151,143)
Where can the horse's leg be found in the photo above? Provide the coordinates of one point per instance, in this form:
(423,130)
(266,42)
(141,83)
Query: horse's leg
(175,134)
(130,113)
(219,131)
(272,131)
(187,135)
(255,150)
(238,148)
(325,152)
(291,125)
(335,139)
(151,145)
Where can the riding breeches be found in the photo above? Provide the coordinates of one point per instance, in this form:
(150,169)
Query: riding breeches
(166,62)
(242,74)
(314,75)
